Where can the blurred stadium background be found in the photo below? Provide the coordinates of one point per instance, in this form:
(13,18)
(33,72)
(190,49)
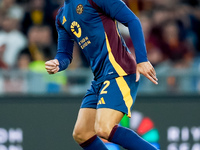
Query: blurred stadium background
(38,111)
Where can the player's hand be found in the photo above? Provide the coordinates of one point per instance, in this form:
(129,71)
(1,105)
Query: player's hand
(52,66)
(147,70)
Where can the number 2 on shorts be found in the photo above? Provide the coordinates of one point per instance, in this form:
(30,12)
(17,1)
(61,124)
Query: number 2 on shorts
(107,83)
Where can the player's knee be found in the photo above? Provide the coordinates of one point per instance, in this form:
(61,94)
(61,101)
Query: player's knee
(102,131)
(78,135)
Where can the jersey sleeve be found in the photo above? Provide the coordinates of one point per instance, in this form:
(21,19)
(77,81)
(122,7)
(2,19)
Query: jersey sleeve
(118,10)
(64,46)
(129,19)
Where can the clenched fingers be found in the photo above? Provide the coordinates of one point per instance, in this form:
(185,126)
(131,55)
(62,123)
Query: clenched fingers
(53,71)
(52,66)
(50,63)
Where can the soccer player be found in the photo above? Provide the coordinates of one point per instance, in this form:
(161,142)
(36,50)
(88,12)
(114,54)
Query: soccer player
(93,25)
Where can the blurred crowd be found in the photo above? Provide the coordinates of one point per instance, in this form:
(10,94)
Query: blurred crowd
(27,32)
(28,36)
(171,30)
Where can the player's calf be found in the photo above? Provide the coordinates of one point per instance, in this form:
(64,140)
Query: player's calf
(129,139)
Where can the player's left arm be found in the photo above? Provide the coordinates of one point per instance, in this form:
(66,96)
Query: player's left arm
(123,14)
(128,18)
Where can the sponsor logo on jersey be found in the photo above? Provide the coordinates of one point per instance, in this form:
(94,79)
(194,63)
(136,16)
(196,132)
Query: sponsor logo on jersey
(76,29)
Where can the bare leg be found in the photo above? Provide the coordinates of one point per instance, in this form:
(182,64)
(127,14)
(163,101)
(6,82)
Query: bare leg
(106,119)
(84,127)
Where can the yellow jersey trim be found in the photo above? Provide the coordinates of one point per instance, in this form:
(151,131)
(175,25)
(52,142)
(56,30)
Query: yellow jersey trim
(126,92)
(116,66)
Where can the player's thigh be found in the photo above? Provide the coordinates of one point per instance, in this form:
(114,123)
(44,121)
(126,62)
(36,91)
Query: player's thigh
(87,113)
(106,119)
(84,127)
(116,98)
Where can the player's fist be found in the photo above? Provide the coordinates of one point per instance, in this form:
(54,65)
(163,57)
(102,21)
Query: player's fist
(52,66)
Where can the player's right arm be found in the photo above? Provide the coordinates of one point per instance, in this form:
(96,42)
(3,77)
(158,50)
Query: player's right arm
(64,50)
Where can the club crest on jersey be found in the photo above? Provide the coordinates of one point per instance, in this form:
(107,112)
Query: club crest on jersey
(79,9)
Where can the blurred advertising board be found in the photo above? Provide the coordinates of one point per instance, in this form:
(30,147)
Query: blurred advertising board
(46,122)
